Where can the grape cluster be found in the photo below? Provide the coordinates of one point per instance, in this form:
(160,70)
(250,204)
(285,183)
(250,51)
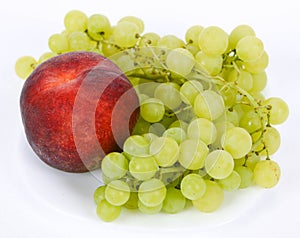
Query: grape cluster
(205,126)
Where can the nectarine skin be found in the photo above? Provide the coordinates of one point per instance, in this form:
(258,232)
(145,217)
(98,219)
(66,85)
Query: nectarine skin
(74,110)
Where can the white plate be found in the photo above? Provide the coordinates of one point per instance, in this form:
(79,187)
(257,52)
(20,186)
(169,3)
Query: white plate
(39,201)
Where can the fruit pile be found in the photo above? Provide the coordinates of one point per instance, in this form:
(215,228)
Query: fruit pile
(205,126)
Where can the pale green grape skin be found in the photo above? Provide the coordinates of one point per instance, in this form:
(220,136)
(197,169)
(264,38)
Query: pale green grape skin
(192,186)
(149,210)
(99,194)
(143,168)
(271,140)
(251,121)
(279,110)
(259,81)
(246,175)
(189,90)
(266,173)
(141,127)
(252,160)
(181,61)
(174,201)
(150,137)
(179,123)
(24,66)
(152,192)
(78,41)
(114,165)
(213,40)
(76,21)
(202,129)
(237,141)
(192,154)
(240,161)
(242,78)
(117,192)
(212,198)
(132,202)
(165,150)
(238,33)
(192,35)
(170,42)
(152,110)
(232,182)
(136,145)
(209,104)
(137,21)
(169,94)
(249,48)
(211,63)
(99,27)
(108,212)
(176,133)
(44,57)
(219,164)
(125,34)
(258,65)
(149,39)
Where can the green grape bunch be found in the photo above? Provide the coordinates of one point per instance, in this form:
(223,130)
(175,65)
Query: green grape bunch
(205,126)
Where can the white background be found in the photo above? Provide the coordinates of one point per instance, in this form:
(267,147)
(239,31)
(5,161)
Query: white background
(38,201)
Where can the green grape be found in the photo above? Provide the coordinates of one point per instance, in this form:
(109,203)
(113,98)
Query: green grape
(132,202)
(212,198)
(24,66)
(194,49)
(209,104)
(117,192)
(229,96)
(266,173)
(150,137)
(46,56)
(189,90)
(125,34)
(213,40)
(157,129)
(108,212)
(192,35)
(179,123)
(99,194)
(181,61)
(170,42)
(192,154)
(192,186)
(251,121)
(78,41)
(147,87)
(141,127)
(169,94)
(75,21)
(165,150)
(176,133)
(221,127)
(252,160)
(242,78)
(152,110)
(232,182)
(238,33)
(219,164)
(143,168)
(174,201)
(99,27)
(124,62)
(152,192)
(136,145)
(211,63)
(137,21)
(149,39)
(114,165)
(259,81)
(149,210)
(271,141)
(246,175)
(279,110)
(109,49)
(202,129)
(258,65)
(168,120)
(249,48)
(240,161)
(237,141)
(232,117)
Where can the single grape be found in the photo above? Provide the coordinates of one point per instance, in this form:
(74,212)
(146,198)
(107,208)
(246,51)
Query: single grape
(126,34)
(211,63)
(133,200)
(192,35)
(174,201)
(271,141)
(99,194)
(165,150)
(192,154)
(176,133)
(237,141)
(181,61)
(75,21)
(189,90)
(46,56)
(99,27)
(213,40)
(279,110)
(137,21)
(152,192)
(149,39)
(143,168)
(212,198)
(252,160)
(152,110)
(24,66)
(257,66)
(170,42)
(149,210)
(114,165)
(231,182)
(266,173)
(246,175)
(259,81)
(78,41)
(249,48)
(108,212)
(58,43)
(251,121)
(117,192)
(136,145)
(238,33)
(193,186)
(202,129)
(169,94)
